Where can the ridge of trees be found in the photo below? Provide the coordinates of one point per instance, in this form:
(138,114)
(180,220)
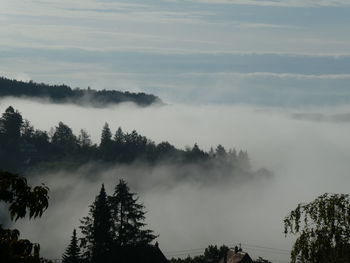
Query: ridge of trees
(23,147)
(63,93)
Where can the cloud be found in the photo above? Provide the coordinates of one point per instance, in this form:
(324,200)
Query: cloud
(280,3)
(275,75)
(322,117)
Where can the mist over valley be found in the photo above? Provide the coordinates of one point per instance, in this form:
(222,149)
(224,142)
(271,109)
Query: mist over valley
(197,131)
(203,207)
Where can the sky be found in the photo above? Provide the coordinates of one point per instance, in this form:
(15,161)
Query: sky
(270,77)
(287,53)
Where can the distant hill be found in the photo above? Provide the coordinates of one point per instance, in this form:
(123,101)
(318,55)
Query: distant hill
(64,94)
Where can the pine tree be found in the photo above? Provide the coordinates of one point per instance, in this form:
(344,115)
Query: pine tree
(106,136)
(119,137)
(106,144)
(128,217)
(97,230)
(72,253)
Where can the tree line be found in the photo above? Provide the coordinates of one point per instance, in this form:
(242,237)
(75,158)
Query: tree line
(23,147)
(64,93)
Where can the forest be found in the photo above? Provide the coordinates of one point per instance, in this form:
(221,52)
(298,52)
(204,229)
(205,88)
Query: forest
(24,148)
(64,94)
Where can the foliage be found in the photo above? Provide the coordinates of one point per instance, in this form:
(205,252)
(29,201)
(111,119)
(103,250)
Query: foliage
(21,199)
(323,229)
(72,253)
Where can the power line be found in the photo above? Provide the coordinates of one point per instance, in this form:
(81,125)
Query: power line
(270,248)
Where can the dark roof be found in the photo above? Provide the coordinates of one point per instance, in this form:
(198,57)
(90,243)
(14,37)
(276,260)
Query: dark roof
(138,254)
(239,257)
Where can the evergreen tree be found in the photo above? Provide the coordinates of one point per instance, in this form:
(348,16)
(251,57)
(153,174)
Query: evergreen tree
(129,216)
(106,136)
(106,144)
(72,254)
(119,144)
(119,137)
(97,230)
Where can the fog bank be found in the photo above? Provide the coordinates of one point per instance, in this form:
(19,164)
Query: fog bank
(308,158)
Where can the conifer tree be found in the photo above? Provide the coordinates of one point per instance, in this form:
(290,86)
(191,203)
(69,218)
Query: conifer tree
(119,137)
(72,253)
(97,230)
(106,144)
(128,216)
(106,136)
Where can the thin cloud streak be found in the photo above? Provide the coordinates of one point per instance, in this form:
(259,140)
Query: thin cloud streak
(280,3)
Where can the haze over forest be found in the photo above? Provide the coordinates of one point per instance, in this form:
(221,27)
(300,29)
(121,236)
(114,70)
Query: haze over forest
(270,78)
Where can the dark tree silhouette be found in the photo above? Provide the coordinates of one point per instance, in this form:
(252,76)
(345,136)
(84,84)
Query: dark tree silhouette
(22,199)
(63,93)
(23,148)
(212,254)
(10,134)
(106,144)
(128,217)
(63,139)
(10,124)
(97,229)
(72,253)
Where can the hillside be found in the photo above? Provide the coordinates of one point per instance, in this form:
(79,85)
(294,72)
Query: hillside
(64,94)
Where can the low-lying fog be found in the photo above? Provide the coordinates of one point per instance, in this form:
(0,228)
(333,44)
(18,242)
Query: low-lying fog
(308,156)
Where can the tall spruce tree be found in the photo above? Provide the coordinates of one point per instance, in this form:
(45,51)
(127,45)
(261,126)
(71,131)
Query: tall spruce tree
(97,230)
(72,253)
(128,216)
(106,144)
